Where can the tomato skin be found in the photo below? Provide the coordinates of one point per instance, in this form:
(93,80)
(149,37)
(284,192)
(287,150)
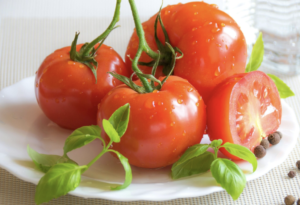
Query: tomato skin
(66,90)
(162,124)
(222,120)
(213,45)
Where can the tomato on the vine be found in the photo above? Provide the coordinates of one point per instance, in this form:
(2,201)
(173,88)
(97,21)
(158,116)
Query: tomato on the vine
(66,90)
(162,124)
(212,44)
(244,109)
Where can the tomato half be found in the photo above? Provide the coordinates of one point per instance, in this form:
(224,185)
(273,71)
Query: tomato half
(244,109)
(162,124)
(66,90)
(213,45)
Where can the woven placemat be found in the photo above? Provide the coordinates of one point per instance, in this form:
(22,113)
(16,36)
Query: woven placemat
(24,43)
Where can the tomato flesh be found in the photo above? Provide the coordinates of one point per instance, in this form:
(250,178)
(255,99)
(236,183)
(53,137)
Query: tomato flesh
(244,109)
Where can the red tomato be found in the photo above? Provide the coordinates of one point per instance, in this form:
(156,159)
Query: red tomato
(162,124)
(66,90)
(244,109)
(213,45)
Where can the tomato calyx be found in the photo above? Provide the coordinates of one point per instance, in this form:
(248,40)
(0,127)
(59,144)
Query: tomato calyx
(166,55)
(166,50)
(87,52)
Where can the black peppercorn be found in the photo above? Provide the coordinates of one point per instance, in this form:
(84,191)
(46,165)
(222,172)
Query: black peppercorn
(279,133)
(292,174)
(260,151)
(298,164)
(289,200)
(265,143)
(274,138)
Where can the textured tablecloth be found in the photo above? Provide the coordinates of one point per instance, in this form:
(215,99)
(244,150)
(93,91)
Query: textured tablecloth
(26,41)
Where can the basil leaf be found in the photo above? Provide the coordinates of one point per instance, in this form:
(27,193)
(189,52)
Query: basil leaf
(190,153)
(120,118)
(58,181)
(82,136)
(283,89)
(110,131)
(229,176)
(196,165)
(127,168)
(216,143)
(44,162)
(257,55)
(241,152)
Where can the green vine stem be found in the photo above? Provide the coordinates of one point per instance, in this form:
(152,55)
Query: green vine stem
(87,52)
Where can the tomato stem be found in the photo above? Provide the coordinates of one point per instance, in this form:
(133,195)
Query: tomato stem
(88,51)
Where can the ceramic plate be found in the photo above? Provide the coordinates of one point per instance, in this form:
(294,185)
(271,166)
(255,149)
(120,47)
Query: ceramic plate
(22,122)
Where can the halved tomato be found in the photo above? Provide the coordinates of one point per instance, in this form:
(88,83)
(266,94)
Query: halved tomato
(244,109)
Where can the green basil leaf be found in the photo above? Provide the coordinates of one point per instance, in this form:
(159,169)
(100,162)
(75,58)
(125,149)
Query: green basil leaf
(110,131)
(82,136)
(58,181)
(283,89)
(196,165)
(241,152)
(229,176)
(120,118)
(216,143)
(127,168)
(257,55)
(190,153)
(44,162)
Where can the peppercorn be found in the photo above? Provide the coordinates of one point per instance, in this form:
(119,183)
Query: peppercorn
(298,202)
(298,164)
(274,138)
(292,174)
(265,143)
(279,133)
(260,151)
(289,200)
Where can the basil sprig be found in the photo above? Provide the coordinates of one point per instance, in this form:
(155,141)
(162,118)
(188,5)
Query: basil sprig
(198,160)
(255,61)
(63,174)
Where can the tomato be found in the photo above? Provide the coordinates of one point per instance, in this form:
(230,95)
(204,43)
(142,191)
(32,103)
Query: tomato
(162,124)
(66,90)
(213,45)
(244,109)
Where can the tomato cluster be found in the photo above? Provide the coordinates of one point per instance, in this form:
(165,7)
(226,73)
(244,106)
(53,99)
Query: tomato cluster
(167,113)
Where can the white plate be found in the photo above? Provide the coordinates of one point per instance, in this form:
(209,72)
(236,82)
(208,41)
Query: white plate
(22,123)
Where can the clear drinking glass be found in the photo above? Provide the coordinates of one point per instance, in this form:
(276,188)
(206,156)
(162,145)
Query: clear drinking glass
(279,21)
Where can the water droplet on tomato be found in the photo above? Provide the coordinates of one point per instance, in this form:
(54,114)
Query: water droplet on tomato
(196,13)
(114,82)
(57,100)
(222,24)
(184,133)
(167,12)
(214,5)
(233,58)
(265,92)
(207,40)
(194,42)
(175,148)
(232,66)
(194,29)
(212,38)
(160,103)
(109,92)
(218,71)
(200,97)
(197,104)
(179,101)
(80,93)
(226,47)
(81,66)
(219,45)
(173,107)
(194,5)
(191,89)
(149,104)
(207,23)
(151,117)
(116,97)
(171,124)
(70,62)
